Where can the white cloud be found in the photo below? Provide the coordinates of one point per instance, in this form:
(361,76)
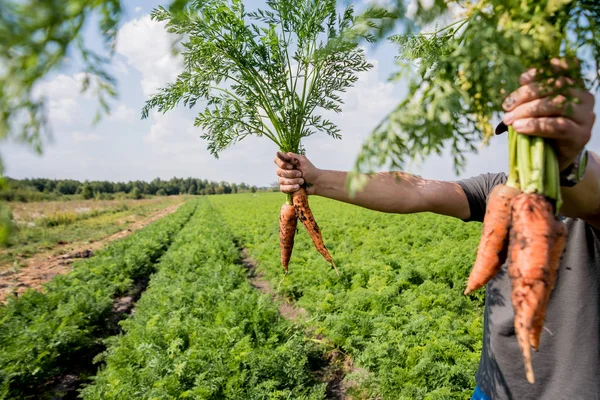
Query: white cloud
(122,113)
(63,95)
(79,136)
(173,133)
(138,9)
(147,46)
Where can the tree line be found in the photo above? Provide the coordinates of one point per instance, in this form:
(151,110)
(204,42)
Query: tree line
(32,189)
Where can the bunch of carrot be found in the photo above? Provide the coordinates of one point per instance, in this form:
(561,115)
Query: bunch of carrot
(520,227)
(296,208)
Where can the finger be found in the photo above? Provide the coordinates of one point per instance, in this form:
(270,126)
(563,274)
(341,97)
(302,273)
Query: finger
(568,67)
(527,76)
(289,188)
(552,128)
(289,173)
(293,158)
(283,156)
(294,181)
(534,91)
(282,164)
(557,106)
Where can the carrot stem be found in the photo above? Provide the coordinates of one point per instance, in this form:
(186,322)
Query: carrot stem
(536,184)
(524,161)
(513,171)
(288,199)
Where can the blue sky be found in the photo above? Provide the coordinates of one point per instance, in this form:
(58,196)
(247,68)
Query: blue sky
(124,147)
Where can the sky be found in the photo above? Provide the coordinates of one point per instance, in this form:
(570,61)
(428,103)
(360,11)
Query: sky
(124,147)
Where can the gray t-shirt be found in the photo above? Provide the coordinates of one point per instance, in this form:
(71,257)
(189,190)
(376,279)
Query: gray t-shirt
(567,365)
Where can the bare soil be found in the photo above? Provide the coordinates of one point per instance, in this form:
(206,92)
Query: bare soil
(42,267)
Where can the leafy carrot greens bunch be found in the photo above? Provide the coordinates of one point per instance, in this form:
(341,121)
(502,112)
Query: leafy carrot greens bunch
(461,74)
(269,73)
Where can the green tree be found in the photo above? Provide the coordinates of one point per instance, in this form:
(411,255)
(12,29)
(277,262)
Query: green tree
(136,194)
(87,192)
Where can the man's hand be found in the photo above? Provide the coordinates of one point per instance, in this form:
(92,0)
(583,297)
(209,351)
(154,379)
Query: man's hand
(536,109)
(294,170)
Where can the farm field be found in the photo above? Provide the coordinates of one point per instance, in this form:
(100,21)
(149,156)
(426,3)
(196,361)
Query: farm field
(397,308)
(393,325)
(44,336)
(55,227)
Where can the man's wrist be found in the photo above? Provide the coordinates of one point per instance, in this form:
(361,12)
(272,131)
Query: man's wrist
(575,172)
(313,185)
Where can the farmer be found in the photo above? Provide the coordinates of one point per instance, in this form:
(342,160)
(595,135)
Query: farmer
(567,365)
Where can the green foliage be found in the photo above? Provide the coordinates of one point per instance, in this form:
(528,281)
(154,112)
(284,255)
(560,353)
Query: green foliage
(87,192)
(202,331)
(242,64)
(397,308)
(464,71)
(136,194)
(36,36)
(40,332)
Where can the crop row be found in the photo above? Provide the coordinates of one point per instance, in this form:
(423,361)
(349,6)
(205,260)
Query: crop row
(202,331)
(397,307)
(43,333)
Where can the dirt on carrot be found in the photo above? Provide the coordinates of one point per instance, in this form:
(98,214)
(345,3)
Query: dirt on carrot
(287,230)
(530,246)
(491,253)
(560,240)
(305,215)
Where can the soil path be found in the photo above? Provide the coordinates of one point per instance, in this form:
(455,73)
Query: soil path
(338,364)
(43,267)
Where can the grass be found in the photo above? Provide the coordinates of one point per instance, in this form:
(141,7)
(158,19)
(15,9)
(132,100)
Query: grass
(43,226)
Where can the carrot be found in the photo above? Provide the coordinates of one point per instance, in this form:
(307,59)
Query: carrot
(300,200)
(494,239)
(287,230)
(560,241)
(530,246)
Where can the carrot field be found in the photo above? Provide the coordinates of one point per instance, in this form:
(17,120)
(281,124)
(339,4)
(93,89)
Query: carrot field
(208,323)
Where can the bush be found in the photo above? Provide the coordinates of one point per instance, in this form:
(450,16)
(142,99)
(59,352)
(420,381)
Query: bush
(135,194)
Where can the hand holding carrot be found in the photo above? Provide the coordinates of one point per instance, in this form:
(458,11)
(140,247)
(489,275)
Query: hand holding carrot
(537,109)
(294,170)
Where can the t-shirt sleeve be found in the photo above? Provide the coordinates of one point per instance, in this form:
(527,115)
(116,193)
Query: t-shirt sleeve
(477,189)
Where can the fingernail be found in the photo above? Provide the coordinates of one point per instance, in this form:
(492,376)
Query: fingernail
(508,102)
(518,124)
(296,187)
(508,117)
(298,174)
(301,181)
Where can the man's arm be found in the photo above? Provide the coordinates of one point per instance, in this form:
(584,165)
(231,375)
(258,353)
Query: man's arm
(392,192)
(583,200)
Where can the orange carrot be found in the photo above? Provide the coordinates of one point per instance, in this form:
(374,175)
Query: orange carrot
(530,244)
(287,230)
(494,239)
(560,241)
(300,200)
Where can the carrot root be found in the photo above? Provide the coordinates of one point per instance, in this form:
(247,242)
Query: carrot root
(531,240)
(491,253)
(287,230)
(305,215)
(560,240)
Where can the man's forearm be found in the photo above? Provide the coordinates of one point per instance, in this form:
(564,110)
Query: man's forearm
(583,200)
(396,192)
